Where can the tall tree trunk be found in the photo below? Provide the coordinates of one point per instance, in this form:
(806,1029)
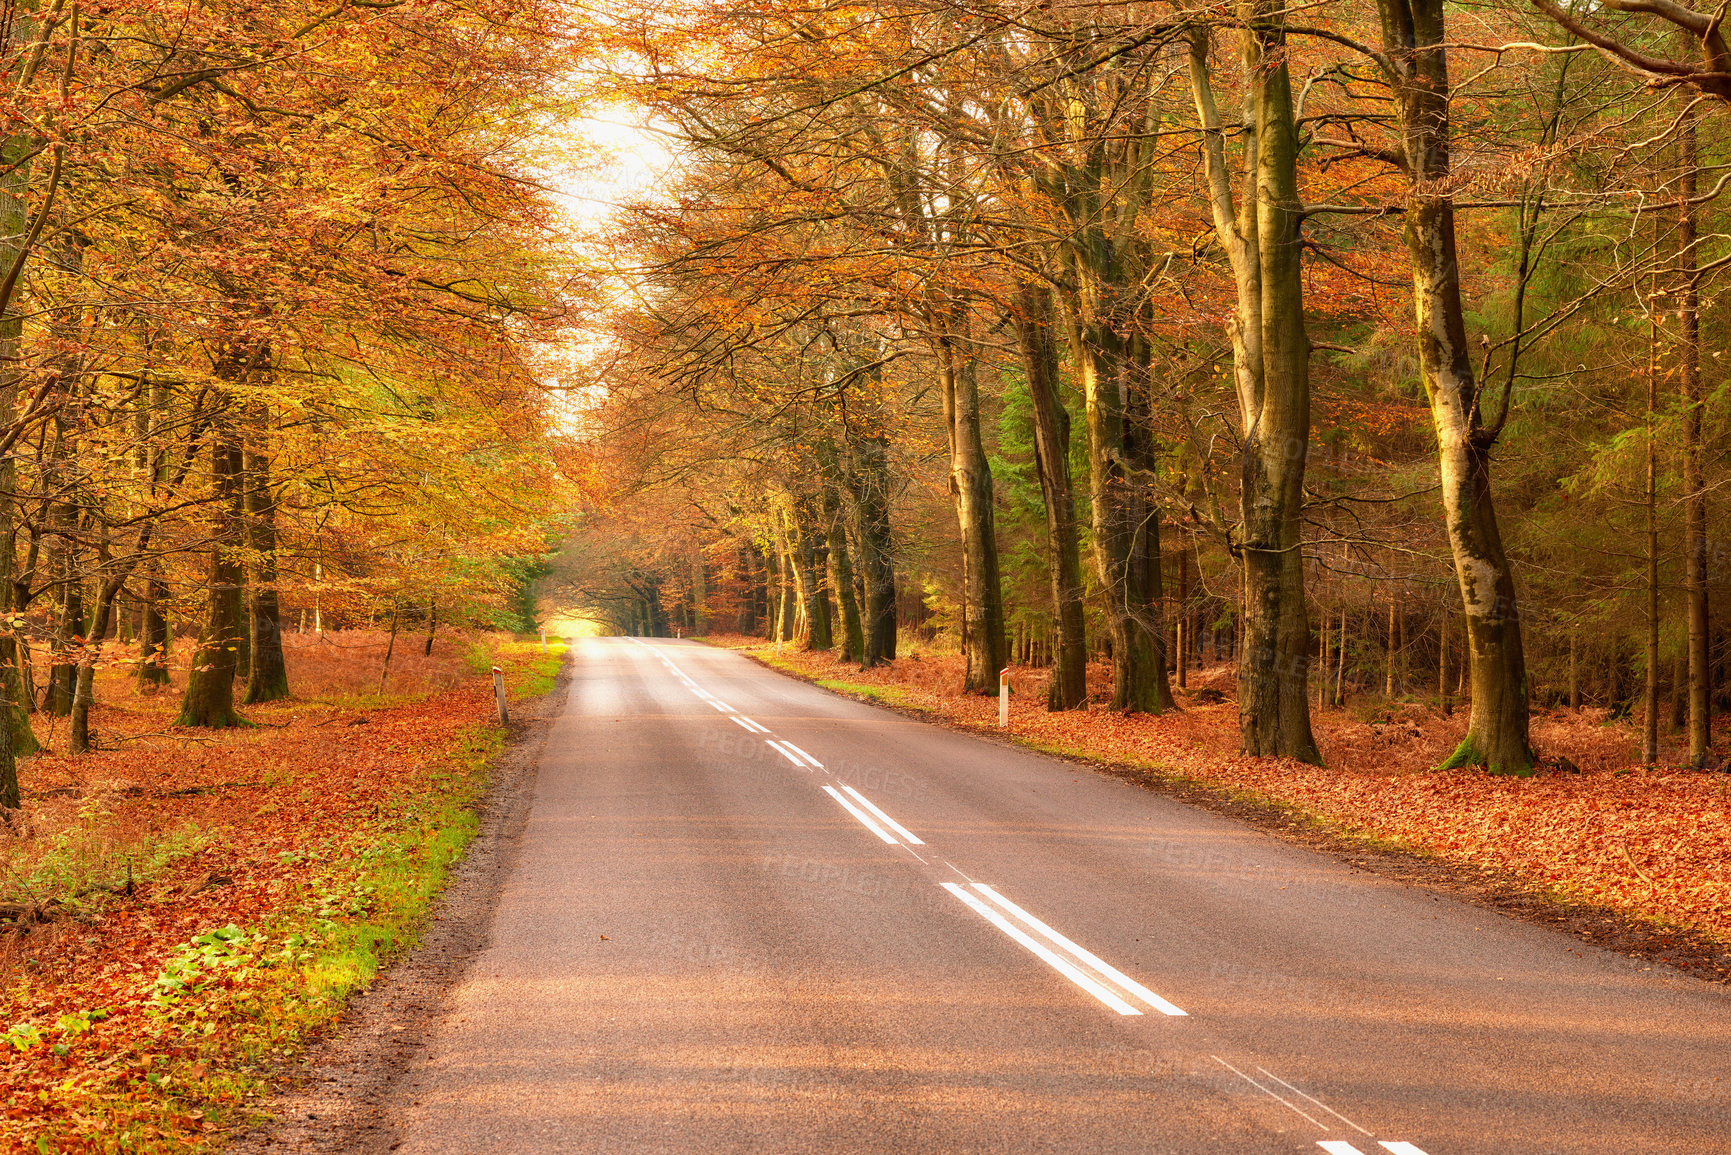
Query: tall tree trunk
(1067,688)
(1126,529)
(267,676)
(971,490)
(1181,659)
(1679,690)
(153,634)
(432,627)
(68,639)
(209,699)
(810,562)
(1271,362)
(1340,664)
(1650,692)
(1322,684)
(84,681)
(841,578)
(64,567)
(786,603)
(391,645)
(16,739)
(1388,666)
(1694,489)
(869,494)
(1497,727)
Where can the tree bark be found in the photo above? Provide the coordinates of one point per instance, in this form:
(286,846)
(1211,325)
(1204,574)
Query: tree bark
(1694,489)
(810,562)
(1181,659)
(1389,656)
(971,490)
(1497,728)
(1322,654)
(1340,664)
(209,699)
(1067,689)
(1271,363)
(84,680)
(869,493)
(1650,692)
(1679,690)
(267,676)
(1126,527)
(16,739)
(841,578)
(153,634)
(68,638)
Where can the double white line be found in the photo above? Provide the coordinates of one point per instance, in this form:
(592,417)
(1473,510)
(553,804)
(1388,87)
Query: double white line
(793,753)
(902,835)
(1111,986)
(1336,1147)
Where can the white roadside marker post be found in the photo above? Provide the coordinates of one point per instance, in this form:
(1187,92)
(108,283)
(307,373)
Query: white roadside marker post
(499,696)
(543,639)
(1004,698)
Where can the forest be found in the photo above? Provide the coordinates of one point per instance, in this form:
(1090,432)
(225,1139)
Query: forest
(1374,350)
(1314,412)
(274,312)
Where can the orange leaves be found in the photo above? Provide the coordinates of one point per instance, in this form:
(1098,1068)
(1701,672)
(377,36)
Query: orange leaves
(162,844)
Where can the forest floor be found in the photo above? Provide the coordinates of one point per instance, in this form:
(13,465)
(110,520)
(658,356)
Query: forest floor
(1632,858)
(182,910)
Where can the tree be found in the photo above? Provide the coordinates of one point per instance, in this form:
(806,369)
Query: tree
(1258,228)
(1416,63)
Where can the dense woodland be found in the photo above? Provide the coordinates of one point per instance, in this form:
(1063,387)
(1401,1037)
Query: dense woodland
(277,282)
(1374,348)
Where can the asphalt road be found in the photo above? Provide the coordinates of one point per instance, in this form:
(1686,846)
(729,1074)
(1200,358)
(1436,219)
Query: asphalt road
(747,915)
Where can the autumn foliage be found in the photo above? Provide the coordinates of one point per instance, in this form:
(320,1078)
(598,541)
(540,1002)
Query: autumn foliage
(182,911)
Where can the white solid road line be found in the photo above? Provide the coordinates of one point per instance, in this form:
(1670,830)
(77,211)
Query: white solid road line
(1118,978)
(864,818)
(786,753)
(907,835)
(812,762)
(1058,963)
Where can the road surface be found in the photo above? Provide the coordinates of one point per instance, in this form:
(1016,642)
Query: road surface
(747,915)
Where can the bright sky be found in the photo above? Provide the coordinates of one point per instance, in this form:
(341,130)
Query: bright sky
(630,165)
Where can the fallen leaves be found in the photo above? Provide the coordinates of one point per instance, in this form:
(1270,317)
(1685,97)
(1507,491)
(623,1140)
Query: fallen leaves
(151,885)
